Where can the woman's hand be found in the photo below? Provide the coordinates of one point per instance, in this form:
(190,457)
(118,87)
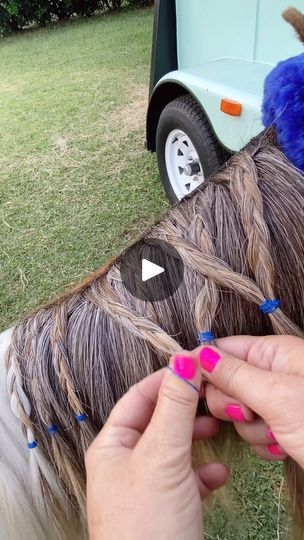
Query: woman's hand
(264,375)
(140,481)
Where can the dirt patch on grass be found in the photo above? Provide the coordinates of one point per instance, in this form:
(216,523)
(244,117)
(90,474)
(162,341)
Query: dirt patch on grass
(72,150)
(131,117)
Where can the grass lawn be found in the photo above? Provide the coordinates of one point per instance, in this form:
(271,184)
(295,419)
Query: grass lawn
(76,181)
(77,185)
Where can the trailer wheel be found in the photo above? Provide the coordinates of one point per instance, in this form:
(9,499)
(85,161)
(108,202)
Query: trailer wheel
(187,151)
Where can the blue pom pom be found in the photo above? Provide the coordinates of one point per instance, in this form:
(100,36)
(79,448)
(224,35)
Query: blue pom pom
(204,337)
(32,445)
(81,417)
(269,306)
(283,107)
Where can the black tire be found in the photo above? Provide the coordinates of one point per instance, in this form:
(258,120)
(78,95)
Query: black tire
(185,113)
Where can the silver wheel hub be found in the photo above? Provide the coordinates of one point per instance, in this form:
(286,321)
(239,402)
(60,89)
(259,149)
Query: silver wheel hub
(183,164)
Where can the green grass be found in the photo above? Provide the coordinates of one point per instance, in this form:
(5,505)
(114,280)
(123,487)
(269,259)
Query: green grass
(258,502)
(76,182)
(77,185)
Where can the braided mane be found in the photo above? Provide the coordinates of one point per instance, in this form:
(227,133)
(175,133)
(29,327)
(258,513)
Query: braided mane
(240,239)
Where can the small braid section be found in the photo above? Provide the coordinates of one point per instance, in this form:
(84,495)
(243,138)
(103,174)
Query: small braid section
(249,201)
(103,296)
(207,301)
(44,483)
(20,405)
(223,275)
(71,475)
(244,188)
(61,358)
(63,457)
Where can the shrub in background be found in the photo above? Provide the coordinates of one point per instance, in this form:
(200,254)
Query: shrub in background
(140,3)
(18,14)
(87,7)
(62,9)
(113,5)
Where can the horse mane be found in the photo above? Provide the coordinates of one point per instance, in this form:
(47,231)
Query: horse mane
(68,363)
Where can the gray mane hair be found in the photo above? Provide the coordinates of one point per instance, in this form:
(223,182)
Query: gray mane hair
(241,239)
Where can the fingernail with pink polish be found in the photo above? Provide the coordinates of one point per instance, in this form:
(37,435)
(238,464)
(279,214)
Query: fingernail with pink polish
(235,413)
(276,450)
(184,366)
(208,358)
(271,435)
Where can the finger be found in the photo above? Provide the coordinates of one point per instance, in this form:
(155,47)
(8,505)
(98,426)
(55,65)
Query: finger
(225,407)
(273,452)
(274,353)
(131,414)
(262,391)
(240,346)
(205,427)
(172,422)
(256,433)
(210,477)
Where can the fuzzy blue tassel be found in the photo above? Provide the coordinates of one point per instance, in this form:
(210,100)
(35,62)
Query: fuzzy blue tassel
(283,107)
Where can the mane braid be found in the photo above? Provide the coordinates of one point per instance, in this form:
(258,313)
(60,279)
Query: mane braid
(70,361)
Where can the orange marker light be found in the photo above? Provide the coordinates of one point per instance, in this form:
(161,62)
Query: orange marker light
(228,106)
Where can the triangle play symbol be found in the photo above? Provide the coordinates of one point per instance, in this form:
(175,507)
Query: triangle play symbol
(150,270)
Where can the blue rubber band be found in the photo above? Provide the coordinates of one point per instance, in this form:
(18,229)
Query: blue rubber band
(53,429)
(32,445)
(269,306)
(81,417)
(182,379)
(204,337)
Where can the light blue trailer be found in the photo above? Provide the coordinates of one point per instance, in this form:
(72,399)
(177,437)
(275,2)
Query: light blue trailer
(209,62)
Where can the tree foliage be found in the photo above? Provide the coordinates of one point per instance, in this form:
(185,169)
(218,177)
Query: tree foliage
(19,14)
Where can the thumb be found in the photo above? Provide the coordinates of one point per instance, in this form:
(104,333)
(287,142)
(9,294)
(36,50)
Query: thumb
(245,382)
(174,414)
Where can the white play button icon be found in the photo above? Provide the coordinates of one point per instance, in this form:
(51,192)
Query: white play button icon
(150,270)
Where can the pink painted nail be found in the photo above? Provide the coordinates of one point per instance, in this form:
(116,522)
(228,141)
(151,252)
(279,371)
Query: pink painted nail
(235,413)
(276,450)
(271,435)
(208,358)
(184,366)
